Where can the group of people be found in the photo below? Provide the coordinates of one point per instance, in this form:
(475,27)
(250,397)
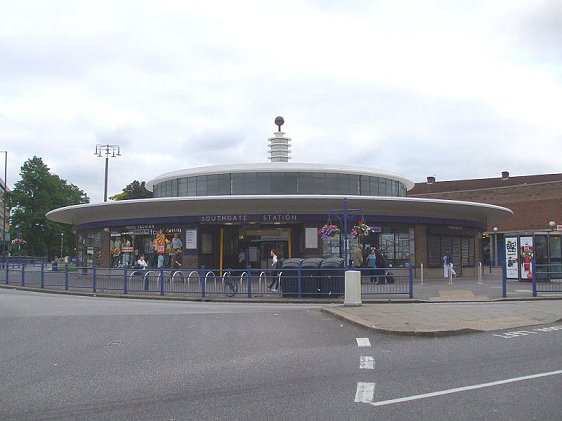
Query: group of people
(165,253)
(121,252)
(375,261)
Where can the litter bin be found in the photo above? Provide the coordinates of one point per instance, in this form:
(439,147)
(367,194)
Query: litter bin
(310,277)
(54,265)
(332,277)
(289,276)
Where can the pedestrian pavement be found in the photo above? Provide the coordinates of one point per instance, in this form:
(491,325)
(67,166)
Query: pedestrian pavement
(440,307)
(466,305)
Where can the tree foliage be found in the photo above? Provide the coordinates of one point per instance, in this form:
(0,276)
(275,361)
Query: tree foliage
(135,190)
(37,193)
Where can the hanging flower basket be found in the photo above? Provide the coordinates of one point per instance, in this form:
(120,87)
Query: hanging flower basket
(360,229)
(328,231)
(18,241)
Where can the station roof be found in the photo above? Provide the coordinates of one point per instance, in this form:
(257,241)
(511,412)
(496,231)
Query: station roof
(146,209)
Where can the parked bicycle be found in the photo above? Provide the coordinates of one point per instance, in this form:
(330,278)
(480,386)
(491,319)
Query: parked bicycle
(230,285)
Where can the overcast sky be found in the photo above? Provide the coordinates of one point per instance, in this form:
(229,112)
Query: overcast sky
(451,89)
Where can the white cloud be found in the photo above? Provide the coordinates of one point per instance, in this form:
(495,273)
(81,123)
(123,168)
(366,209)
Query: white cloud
(456,90)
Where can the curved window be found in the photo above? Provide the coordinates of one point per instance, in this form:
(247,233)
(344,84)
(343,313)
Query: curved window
(277,183)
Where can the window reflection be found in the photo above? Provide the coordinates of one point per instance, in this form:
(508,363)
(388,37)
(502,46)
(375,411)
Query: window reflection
(277,183)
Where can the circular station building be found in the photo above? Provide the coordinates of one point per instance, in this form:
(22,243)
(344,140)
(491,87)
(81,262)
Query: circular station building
(220,211)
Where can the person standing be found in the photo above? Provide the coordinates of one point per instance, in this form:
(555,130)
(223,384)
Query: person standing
(141,263)
(358,256)
(448,265)
(242,259)
(274,267)
(115,252)
(372,264)
(126,256)
(176,253)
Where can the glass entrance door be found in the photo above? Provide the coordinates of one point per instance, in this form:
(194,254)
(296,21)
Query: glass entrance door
(555,256)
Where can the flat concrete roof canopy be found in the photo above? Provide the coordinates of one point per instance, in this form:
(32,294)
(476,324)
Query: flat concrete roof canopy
(113,212)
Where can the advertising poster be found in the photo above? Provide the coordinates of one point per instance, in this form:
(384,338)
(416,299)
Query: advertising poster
(526,258)
(511,256)
(311,238)
(191,239)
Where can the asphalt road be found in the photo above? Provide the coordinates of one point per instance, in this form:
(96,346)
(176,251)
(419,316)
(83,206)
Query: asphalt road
(93,358)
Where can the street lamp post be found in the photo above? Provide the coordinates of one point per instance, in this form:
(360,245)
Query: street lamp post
(61,243)
(346,219)
(4,246)
(495,246)
(109,151)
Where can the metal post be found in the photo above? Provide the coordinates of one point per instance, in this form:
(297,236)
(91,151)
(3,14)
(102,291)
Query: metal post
(299,282)
(203,281)
(66,277)
(504,280)
(421,274)
(4,245)
(496,260)
(534,269)
(479,273)
(105,185)
(61,243)
(249,278)
(411,280)
(43,275)
(345,234)
(109,151)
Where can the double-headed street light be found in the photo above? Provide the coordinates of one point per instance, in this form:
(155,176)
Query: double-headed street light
(109,151)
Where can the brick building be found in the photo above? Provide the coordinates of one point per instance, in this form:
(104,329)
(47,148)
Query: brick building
(536,224)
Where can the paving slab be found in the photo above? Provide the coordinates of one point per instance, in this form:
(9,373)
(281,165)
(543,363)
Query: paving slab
(443,319)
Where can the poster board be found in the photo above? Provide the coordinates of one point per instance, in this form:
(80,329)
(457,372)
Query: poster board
(511,258)
(191,239)
(311,238)
(526,258)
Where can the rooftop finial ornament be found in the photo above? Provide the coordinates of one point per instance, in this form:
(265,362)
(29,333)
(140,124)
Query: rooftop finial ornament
(279,122)
(279,144)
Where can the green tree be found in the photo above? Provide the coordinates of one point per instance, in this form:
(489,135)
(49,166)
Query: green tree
(135,190)
(37,193)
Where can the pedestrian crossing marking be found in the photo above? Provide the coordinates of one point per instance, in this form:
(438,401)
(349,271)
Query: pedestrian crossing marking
(365,392)
(367,362)
(363,342)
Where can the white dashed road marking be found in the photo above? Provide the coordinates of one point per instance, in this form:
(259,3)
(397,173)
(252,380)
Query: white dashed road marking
(363,342)
(367,362)
(365,392)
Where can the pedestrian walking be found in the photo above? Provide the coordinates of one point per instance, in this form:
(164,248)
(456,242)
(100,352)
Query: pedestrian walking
(448,265)
(274,285)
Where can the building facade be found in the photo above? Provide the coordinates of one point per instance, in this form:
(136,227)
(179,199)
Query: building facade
(534,229)
(232,215)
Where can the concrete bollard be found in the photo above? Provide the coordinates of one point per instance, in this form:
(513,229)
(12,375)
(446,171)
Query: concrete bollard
(352,288)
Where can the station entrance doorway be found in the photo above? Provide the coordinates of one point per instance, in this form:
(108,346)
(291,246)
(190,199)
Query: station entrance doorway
(259,241)
(240,246)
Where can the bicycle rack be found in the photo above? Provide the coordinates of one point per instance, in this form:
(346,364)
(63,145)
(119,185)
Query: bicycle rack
(263,276)
(189,277)
(214,277)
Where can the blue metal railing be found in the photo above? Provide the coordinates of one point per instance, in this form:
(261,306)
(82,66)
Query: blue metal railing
(299,282)
(546,278)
